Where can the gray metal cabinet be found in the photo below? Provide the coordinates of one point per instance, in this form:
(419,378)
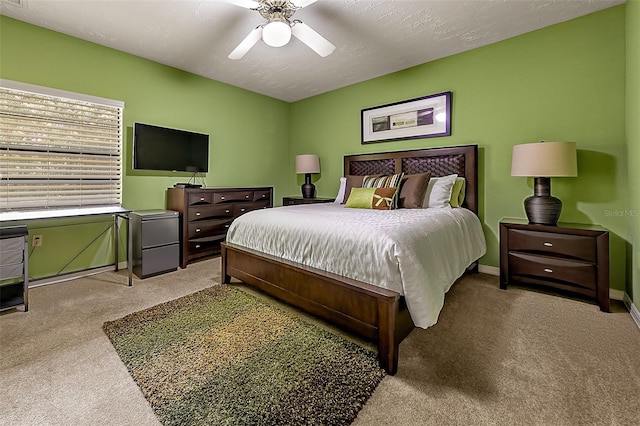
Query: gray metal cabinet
(14,269)
(156,242)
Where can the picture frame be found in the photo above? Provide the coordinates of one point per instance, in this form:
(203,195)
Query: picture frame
(423,117)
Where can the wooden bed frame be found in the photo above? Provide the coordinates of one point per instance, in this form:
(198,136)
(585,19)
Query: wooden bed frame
(372,312)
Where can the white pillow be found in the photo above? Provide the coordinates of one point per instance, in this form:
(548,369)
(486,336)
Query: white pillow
(340,197)
(439,192)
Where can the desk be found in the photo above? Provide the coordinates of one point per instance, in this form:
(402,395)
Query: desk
(116,212)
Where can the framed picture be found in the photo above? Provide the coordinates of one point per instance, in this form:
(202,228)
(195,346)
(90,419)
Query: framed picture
(425,117)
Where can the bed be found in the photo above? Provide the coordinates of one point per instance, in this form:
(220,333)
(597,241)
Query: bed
(376,313)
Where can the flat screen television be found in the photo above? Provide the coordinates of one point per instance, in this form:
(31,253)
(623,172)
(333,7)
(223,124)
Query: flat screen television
(160,148)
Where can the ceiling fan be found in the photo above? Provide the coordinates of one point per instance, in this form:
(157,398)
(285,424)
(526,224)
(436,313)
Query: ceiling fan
(279,28)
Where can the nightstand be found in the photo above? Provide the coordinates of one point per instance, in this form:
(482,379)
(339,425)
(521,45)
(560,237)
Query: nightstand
(290,201)
(568,257)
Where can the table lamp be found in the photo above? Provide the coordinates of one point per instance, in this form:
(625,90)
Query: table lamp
(307,164)
(542,161)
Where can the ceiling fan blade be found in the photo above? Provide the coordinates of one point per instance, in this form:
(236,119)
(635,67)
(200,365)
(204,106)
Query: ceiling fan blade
(247,43)
(303,3)
(315,41)
(249,4)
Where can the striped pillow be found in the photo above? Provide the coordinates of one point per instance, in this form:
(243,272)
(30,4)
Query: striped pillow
(388,181)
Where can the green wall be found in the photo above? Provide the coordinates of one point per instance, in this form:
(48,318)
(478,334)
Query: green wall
(565,82)
(249,133)
(633,142)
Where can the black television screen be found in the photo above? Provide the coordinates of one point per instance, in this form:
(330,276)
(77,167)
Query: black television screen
(160,148)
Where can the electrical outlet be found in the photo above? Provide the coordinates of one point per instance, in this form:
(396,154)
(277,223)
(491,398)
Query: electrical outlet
(36,241)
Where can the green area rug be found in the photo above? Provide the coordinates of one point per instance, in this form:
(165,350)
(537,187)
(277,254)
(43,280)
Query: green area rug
(224,357)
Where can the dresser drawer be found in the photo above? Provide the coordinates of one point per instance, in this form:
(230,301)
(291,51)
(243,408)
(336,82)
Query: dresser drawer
(573,246)
(247,207)
(230,197)
(577,273)
(208,228)
(261,195)
(199,198)
(197,213)
(197,248)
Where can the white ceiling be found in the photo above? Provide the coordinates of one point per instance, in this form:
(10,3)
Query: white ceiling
(372,37)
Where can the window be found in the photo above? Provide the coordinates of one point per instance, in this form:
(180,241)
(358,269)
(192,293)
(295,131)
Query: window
(58,149)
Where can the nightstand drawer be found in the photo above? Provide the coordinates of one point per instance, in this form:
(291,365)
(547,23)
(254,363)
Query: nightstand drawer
(292,201)
(581,274)
(574,246)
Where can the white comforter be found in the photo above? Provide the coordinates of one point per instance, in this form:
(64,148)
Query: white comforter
(417,252)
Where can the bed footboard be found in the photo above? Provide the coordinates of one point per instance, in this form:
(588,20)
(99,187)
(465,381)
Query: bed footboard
(372,312)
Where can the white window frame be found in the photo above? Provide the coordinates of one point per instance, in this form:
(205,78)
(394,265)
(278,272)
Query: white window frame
(81,172)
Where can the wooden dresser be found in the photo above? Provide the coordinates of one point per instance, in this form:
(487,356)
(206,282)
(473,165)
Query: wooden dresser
(568,257)
(206,214)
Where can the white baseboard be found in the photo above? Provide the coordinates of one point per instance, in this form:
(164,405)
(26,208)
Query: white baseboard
(491,270)
(635,314)
(613,293)
(616,294)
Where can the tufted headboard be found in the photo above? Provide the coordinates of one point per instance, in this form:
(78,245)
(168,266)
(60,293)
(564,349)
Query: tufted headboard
(462,160)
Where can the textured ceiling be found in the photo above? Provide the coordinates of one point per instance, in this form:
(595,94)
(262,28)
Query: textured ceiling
(372,37)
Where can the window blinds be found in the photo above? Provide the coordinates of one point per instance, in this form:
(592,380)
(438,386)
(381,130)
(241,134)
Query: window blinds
(58,149)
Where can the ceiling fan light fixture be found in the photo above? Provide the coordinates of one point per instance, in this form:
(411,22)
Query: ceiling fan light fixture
(276,33)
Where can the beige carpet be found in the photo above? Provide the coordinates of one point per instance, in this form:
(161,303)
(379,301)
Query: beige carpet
(495,357)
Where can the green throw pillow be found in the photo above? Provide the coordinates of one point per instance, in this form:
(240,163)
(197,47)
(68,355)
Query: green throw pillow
(458,192)
(372,198)
(360,198)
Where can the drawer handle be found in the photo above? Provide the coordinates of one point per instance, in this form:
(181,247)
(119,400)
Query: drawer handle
(246,196)
(547,244)
(222,198)
(242,210)
(264,195)
(197,213)
(197,245)
(226,226)
(226,211)
(201,198)
(548,270)
(197,229)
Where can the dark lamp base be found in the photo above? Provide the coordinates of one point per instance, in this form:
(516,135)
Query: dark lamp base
(543,210)
(308,189)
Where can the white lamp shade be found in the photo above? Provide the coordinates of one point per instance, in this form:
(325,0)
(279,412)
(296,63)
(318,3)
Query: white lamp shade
(276,33)
(307,163)
(545,159)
